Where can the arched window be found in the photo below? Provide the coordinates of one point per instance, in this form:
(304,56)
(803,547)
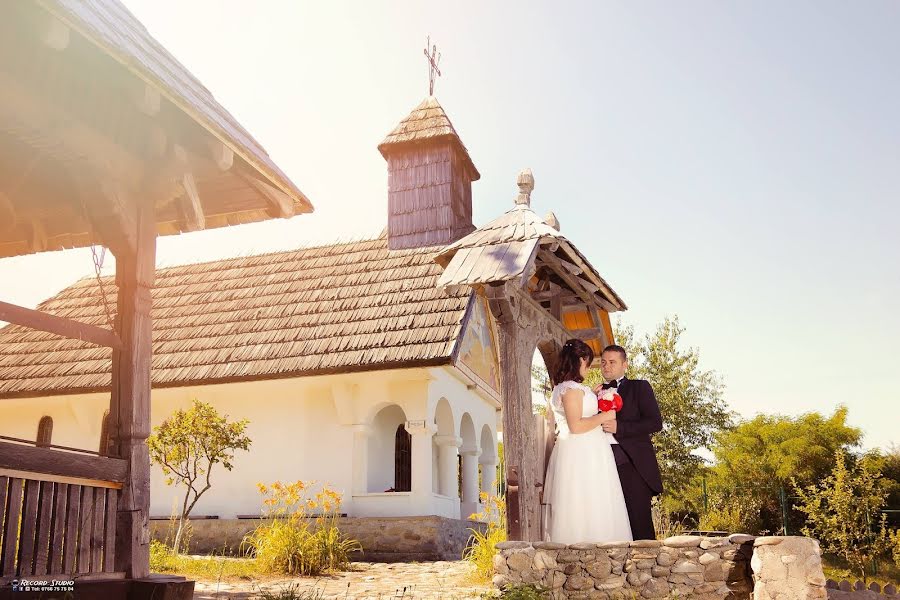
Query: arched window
(45,431)
(402,460)
(104,435)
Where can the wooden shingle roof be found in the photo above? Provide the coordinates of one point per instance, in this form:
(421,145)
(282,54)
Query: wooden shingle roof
(326,309)
(427,122)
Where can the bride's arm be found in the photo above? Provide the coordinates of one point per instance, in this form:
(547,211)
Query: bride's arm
(573,405)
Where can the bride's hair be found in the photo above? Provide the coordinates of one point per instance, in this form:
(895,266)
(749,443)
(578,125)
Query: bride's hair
(568,366)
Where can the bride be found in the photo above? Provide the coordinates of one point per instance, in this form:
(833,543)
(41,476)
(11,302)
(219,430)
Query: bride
(582,485)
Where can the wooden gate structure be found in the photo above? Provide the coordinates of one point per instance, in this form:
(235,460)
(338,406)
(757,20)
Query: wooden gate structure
(105,139)
(541,291)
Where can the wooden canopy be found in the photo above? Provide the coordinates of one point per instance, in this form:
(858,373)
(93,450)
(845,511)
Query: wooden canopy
(94,111)
(106,139)
(521,247)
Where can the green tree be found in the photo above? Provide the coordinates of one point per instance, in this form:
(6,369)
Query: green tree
(690,399)
(842,512)
(188,444)
(760,457)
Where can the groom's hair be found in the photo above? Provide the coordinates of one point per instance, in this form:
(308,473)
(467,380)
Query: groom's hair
(568,365)
(616,348)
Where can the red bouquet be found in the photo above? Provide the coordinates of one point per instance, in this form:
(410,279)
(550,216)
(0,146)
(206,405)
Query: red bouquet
(609,400)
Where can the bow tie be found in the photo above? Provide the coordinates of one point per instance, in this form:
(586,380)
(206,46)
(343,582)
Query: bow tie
(611,384)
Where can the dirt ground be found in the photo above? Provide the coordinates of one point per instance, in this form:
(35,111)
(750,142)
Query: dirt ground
(370,581)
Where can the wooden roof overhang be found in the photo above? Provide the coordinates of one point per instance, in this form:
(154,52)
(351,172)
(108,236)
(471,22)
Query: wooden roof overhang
(96,115)
(521,247)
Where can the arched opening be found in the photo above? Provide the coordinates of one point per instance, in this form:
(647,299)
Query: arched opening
(445,452)
(383,455)
(402,460)
(44,431)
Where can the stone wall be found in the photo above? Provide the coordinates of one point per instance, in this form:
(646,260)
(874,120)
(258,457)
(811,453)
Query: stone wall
(384,539)
(686,566)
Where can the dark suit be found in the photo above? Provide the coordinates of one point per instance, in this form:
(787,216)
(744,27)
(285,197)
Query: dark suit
(635,455)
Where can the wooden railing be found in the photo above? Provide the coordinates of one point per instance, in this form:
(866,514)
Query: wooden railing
(58,513)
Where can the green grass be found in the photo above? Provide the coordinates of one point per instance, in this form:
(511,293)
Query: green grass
(215,568)
(837,569)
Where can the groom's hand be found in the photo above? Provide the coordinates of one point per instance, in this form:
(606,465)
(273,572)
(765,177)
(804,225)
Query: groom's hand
(609,427)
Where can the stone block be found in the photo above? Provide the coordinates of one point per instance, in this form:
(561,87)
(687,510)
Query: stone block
(544,559)
(611,583)
(519,561)
(656,588)
(513,545)
(666,559)
(714,542)
(500,566)
(707,557)
(599,569)
(638,578)
(582,546)
(645,544)
(658,571)
(548,546)
(686,566)
(683,541)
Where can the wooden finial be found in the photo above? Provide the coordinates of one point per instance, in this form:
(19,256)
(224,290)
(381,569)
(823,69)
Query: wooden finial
(525,181)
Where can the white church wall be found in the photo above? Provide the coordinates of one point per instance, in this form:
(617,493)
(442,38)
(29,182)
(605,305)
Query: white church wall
(336,429)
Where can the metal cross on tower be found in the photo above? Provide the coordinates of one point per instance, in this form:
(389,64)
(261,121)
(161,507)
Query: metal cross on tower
(433,59)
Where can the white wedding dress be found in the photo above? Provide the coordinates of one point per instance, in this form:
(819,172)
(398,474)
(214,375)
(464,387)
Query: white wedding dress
(582,485)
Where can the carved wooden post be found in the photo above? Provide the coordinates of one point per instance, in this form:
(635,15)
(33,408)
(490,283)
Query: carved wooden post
(130,402)
(519,439)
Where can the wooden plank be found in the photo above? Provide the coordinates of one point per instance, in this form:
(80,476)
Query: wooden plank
(35,319)
(61,479)
(70,546)
(45,522)
(85,527)
(97,537)
(11,527)
(109,540)
(592,333)
(58,530)
(29,528)
(57,462)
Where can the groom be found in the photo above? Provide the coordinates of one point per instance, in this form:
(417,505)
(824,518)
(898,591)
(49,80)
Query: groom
(633,450)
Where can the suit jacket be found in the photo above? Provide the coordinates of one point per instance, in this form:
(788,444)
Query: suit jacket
(639,418)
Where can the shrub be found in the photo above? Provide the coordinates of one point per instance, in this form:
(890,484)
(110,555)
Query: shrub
(287,543)
(482,547)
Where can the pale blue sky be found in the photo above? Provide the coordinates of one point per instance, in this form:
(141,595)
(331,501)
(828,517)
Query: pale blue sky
(736,164)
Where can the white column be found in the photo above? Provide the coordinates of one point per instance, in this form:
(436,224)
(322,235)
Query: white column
(489,475)
(421,471)
(361,458)
(469,504)
(448,451)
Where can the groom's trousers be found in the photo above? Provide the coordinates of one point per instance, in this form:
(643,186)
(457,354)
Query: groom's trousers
(637,496)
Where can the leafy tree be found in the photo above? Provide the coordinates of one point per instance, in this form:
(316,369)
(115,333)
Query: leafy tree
(842,512)
(188,444)
(759,457)
(689,397)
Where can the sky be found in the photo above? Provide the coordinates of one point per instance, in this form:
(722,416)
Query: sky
(734,164)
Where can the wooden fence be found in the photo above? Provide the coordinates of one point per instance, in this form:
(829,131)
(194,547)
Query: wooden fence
(58,513)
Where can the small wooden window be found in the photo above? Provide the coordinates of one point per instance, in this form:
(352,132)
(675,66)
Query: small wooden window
(402,460)
(45,431)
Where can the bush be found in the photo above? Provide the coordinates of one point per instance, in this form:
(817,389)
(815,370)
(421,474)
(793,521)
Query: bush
(732,514)
(482,547)
(288,544)
(895,539)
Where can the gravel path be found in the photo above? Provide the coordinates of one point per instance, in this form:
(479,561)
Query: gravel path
(369,581)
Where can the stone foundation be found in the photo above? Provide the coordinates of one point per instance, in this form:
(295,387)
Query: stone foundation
(384,539)
(686,566)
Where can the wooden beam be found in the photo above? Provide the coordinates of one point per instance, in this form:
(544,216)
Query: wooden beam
(221,154)
(7,213)
(573,282)
(588,334)
(574,270)
(58,462)
(281,204)
(130,401)
(53,32)
(189,203)
(68,328)
(611,304)
(38,236)
(147,98)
